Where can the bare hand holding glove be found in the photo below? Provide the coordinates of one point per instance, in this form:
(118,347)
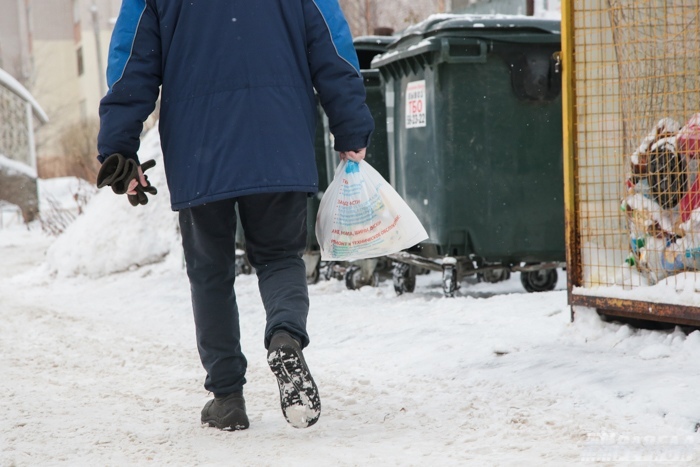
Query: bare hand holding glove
(126,176)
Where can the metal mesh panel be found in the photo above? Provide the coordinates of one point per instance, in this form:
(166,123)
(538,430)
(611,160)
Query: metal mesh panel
(14,142)
(636,88)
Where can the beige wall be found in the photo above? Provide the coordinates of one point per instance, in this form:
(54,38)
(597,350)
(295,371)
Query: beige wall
(90,81)
(52,20)
(57,88)
(39,43)
(67,96)
(107,11)
(94,81)
(15,40)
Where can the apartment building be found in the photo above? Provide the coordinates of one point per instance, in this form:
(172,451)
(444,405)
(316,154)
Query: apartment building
(58,50)
(15,40)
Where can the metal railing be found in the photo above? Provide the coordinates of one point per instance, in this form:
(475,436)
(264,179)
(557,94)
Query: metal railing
(18,109)
(18,113)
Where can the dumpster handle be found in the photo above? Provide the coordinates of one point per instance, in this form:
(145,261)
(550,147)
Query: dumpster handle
(447,58)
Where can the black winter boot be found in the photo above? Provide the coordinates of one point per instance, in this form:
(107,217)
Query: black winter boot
(299,397)
(226,413)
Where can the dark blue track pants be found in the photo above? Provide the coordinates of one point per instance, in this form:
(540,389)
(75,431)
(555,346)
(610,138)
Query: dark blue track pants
(275,233)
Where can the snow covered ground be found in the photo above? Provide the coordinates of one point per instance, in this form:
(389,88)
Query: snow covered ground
(99,365)
(104,371)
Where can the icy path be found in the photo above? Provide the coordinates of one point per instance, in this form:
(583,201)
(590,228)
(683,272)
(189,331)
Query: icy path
(105,372)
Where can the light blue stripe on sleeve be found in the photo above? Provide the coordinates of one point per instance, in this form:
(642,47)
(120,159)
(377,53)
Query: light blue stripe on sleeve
(340,32)
(122,43)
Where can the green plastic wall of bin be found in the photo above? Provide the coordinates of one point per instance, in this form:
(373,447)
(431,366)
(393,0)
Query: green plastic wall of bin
(314,202)
(484,171)
(367,47)
(320,149)
(240,235)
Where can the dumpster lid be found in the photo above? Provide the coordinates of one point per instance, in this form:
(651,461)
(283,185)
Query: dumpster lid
(475,25)
(508,28)
(367,47)
(480,23)
(373,42)
(428,23)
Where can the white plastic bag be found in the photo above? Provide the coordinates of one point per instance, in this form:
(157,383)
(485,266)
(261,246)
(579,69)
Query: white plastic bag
(361,216)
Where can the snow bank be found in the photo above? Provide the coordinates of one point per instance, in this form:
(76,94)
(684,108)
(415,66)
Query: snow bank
(10,215)
(112,236)
(60,192)
(589,328)
(680,289)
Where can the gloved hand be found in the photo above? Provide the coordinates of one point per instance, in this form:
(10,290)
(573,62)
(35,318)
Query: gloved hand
(118,172)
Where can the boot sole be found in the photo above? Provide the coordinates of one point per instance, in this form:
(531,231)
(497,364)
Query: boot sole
(224,426)
(299,397)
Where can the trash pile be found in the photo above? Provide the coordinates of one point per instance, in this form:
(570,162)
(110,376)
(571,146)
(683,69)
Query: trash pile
(662,204)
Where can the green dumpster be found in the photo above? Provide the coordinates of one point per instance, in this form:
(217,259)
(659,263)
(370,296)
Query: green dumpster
(315,201)
(475,147)
(312,255)
(367,47)
(243,266)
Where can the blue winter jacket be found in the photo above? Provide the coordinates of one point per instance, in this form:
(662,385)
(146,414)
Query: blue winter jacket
(237,79)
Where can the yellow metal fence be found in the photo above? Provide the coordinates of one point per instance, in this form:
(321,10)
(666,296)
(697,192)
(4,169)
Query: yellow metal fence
(632,144)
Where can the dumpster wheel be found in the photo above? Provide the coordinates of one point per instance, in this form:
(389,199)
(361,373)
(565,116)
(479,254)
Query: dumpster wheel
(404,277)
(313,276)
(542,280)
(242,265)
(450,282)
(334,270)
(494,276)
(354,278)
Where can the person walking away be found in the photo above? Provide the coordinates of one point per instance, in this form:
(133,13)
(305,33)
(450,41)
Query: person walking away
(237,122)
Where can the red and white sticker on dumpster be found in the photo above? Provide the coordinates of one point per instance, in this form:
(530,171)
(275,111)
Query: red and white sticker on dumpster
(415,104)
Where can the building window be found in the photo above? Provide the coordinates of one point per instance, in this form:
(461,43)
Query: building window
(81,66)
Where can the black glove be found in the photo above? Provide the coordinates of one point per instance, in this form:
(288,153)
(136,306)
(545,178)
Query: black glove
(118,171)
